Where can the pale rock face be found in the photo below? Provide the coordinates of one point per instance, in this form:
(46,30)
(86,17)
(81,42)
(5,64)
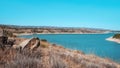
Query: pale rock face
(31,43)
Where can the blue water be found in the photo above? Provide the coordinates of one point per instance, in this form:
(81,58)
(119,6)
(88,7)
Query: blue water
(88,43)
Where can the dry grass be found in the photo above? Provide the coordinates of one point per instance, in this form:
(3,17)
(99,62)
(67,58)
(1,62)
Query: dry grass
(51,57)
(14,59)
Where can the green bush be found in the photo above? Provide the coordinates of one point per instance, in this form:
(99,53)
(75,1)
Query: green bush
(116,36)
(44,40)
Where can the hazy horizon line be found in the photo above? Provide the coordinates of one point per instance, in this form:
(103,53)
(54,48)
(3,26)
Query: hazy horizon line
(34,26)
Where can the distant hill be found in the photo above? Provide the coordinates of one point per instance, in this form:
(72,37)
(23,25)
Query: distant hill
(50,29)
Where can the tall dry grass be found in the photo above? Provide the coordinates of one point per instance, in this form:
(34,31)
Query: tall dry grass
(50,57)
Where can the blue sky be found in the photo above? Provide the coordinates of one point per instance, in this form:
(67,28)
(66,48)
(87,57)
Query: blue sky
(63,13)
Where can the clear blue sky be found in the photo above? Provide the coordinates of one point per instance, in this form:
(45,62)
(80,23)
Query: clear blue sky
(64,13)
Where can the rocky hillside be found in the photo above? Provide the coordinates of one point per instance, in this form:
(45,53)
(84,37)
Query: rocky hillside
(46,55)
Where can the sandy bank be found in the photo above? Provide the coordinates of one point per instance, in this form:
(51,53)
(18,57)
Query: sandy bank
(113,39)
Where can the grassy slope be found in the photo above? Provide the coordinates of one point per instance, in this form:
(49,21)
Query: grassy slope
(51,56)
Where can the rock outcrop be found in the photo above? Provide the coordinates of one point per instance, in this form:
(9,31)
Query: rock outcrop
(29,43)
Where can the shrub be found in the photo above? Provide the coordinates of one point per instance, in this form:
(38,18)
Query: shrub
(44,40)
(44,45)
(116,36)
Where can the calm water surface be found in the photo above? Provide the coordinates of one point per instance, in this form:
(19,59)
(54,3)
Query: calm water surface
(88,43)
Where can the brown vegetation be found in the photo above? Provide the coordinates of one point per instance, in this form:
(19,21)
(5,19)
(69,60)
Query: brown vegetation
(51,56)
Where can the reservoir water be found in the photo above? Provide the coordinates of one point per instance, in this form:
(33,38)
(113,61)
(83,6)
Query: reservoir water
(87,43)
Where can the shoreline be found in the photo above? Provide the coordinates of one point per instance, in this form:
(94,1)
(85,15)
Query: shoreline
(113,40)
(89,57)
(79,58)
(55,33)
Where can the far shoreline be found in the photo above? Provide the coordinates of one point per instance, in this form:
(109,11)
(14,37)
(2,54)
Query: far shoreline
(55,33)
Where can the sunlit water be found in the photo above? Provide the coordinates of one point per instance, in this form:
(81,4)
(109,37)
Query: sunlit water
(88,43)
